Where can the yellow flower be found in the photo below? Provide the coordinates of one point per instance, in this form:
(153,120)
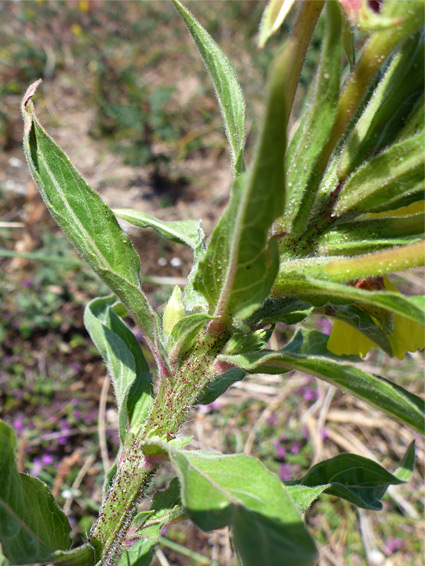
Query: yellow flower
(76,29)
(406,336)
(83,5)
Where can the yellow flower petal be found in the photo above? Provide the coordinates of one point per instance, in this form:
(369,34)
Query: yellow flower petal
(346,340)
(406,336)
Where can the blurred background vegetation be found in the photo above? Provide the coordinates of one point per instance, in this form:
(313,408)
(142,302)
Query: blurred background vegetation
(125,94)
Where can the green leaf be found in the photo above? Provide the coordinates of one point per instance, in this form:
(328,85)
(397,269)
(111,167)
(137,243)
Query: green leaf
(186,232)
(241,263)
(84,555)
(139,554)
(388,181)
(363,233)
(32,526)
(226,86)
(302,181)
(320,293)
(87,221)
(192,299)
(359,480)
(387,108)
(354,478)
(184,332)
(125,362)
(239,491)
(288,310)
(375,390)
(273,17)
(165,509)
(241,342)
(220,384)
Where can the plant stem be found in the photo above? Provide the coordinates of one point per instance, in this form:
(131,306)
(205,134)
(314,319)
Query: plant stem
(175,398)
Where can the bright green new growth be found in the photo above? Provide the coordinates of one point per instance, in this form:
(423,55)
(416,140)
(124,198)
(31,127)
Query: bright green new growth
(295,239)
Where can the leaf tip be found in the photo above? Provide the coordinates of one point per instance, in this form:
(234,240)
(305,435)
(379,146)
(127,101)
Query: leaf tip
(31,90)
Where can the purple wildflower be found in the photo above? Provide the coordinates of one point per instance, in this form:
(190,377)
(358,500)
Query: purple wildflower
(18,424)
(285,472)
(37,467)
(393,545)
(295,448)
(47,459)
(280,452)
(272,420)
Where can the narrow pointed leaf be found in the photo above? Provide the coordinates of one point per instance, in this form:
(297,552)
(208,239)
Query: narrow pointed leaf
(302,180)
(239,491)
(359,480)
(320,293)
(220,385)
(240,263)
(87,221)
(375,390)
(388,107)
(32,526)
(184,232)
(125,361)
(388,181)
(226,86)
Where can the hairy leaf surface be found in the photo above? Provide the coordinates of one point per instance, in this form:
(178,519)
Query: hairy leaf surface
(32,526)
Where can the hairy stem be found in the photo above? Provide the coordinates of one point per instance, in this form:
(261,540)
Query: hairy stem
(175,398)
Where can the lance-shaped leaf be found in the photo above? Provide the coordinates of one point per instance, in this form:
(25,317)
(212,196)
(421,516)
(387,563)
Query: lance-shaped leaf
(359,480)
(32,526)
(375,390)
(390,180)
(226,86)
(87,221)
(219,385)
(387,108)
(239,491)
(363,228)
(302,180)
(184,232)
(125,362)
(240,263)
(320,293)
